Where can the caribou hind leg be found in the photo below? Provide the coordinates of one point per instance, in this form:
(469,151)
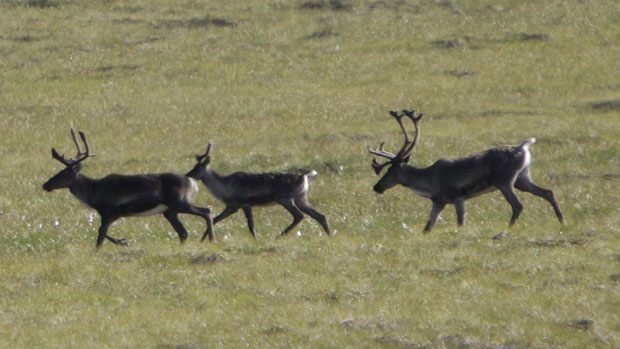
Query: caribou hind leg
(304,206)
(247,210)
(297,215)
(459,205)
(173,218)
(511,197)
(525,183)
(204,212)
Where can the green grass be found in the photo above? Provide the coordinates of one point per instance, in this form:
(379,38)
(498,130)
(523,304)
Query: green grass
(280,86)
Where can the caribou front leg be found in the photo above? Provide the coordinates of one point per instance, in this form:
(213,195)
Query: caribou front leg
(247,210)
(437,208)
(459,205)
(103,232)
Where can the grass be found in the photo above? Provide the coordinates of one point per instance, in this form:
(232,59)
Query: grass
(281,85)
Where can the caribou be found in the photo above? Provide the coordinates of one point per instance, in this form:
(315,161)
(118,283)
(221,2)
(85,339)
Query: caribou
(115,196)
(452,181)
(245,190)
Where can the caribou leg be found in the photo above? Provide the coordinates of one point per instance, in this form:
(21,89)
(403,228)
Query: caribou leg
(247,210)
(227,212)
(297,215)
(459,204)
(106,221)
(437,208)
(525,183)
(173,218)
(517,207)
(304,206)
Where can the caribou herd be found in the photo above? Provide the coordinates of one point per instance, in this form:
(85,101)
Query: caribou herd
(447,181)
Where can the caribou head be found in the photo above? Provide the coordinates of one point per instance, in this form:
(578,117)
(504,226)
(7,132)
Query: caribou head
(395,161)
(65,177)
(202,162)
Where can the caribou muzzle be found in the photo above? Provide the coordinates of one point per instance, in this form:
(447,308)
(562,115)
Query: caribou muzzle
(378,189)
(47,187)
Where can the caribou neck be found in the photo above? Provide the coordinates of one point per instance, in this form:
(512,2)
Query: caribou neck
(82,188)
(214,183)
(420,180)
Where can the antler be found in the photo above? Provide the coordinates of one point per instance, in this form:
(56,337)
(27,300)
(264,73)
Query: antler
(410,114)
(81,156)
(407,147)
(203,156)
(379,166)
(380,152)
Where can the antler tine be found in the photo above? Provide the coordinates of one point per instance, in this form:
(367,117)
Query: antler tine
(200,157)
(87,154)
(81,156)
(399,118)
(404,150)
(60,158)
(380,152)
(77,145)
(410,114)
(378,166)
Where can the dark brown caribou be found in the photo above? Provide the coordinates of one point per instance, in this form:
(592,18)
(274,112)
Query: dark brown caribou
(452,181)
(241,190)
(115,196)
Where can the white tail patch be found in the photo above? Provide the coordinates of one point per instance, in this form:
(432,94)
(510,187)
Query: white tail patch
(194,189)
(526,144)
(526,147)
(306,185)
(312,173)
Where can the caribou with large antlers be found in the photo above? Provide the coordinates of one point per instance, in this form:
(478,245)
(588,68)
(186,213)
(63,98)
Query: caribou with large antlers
(452,181)
(244,190)
(115,196)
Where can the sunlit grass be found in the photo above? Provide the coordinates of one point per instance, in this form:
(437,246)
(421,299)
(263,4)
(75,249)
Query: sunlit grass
(288,87)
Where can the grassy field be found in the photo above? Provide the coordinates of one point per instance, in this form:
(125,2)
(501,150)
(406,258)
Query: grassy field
(288,85)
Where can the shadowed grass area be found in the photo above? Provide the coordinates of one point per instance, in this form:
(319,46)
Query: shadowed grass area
(282,86)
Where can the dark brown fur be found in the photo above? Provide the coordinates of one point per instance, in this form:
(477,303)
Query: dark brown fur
(452,181)
(242,190)
(116,196)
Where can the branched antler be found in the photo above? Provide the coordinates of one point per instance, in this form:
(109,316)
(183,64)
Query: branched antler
(380,152)
(410,114)
(81,156)
(407,147)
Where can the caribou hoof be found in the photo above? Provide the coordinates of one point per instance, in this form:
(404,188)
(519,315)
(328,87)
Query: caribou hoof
(122,242)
